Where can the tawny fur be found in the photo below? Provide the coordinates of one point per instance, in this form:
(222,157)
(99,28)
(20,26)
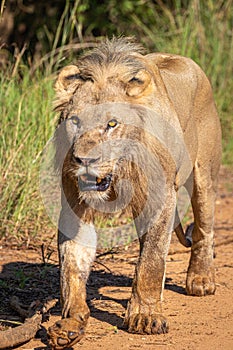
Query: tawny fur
(175,89)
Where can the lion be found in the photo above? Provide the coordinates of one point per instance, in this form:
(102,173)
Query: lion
(133,129)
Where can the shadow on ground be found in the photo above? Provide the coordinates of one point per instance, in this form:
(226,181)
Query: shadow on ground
(31,282)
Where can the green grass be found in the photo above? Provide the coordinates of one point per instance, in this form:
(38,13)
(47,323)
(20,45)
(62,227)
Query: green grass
(202,31)
(26,124)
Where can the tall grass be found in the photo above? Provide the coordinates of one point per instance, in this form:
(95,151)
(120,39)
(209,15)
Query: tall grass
(26,124)
(203,31)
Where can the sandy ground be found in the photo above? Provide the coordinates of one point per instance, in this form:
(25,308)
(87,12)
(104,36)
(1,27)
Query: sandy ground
(195,323)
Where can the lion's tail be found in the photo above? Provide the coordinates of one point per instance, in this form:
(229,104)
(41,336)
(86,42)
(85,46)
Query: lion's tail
(185,238)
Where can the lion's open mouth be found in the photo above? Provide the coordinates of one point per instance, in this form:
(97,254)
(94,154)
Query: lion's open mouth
(88,182)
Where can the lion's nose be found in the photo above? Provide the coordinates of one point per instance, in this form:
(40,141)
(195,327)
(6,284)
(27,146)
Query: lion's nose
(86,161)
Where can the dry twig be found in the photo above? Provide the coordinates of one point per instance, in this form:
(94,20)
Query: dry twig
(25,332)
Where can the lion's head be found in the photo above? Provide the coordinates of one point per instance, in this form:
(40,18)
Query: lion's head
(110,128)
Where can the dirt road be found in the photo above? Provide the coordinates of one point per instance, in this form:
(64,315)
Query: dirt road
(195,323)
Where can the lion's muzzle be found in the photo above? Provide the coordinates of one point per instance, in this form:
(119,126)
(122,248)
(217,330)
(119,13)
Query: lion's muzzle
(89,178)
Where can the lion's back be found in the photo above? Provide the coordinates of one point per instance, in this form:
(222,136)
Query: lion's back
(191,94)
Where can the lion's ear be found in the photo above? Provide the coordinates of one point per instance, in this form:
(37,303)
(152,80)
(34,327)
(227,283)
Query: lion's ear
(138,83)
(66,78)
(167,62)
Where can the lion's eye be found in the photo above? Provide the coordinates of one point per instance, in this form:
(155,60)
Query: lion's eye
(136,80)
(75,119)
(112,123)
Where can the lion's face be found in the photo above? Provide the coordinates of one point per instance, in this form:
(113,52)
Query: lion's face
(103,143)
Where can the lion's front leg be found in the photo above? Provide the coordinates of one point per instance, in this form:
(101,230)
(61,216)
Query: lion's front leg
(76,256)
(144,311)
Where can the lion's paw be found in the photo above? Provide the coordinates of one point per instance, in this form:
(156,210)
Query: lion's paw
(146,324)
(65,333)
(200,285)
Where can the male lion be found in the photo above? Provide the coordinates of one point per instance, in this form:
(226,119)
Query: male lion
(133,129)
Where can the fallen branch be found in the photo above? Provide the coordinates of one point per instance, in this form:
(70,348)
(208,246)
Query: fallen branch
(111,251)
(21,334)
(100,263)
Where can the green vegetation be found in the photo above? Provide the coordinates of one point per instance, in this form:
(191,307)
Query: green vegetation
(202,30)
(27,123)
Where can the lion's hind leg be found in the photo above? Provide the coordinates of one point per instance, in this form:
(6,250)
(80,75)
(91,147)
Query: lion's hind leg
(201,274)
